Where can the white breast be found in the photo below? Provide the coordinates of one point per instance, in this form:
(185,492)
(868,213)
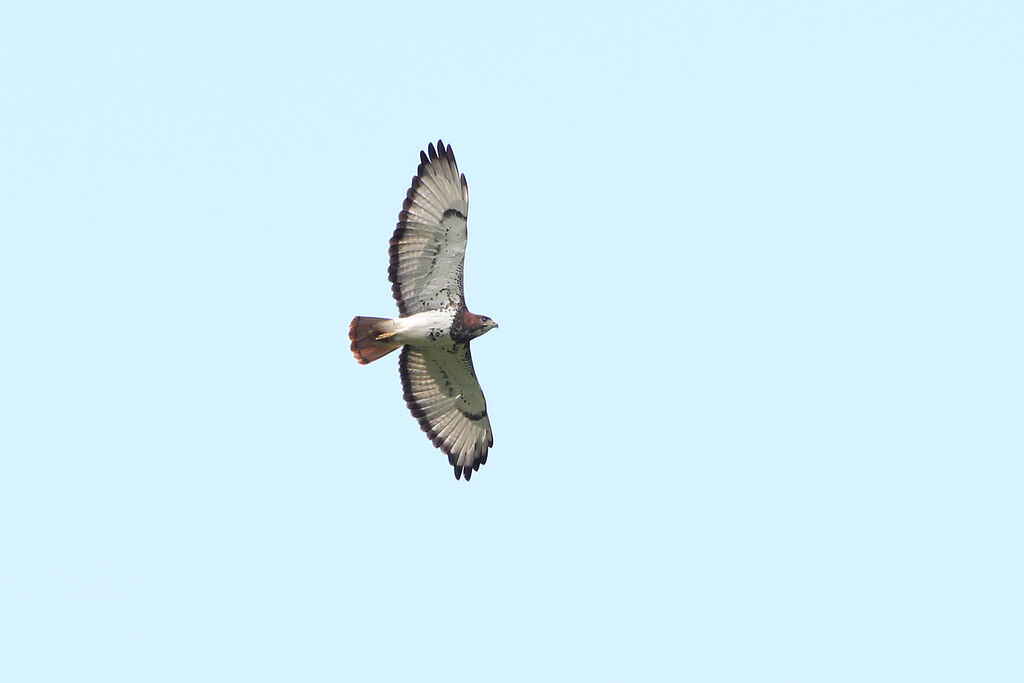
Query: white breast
(424,327)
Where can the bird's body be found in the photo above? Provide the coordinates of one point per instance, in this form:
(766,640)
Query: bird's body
(435,327)
(424,327)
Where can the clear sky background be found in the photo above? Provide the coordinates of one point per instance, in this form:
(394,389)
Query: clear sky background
(756,392)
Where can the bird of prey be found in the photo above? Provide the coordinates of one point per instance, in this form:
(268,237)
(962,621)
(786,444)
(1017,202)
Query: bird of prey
(434,327)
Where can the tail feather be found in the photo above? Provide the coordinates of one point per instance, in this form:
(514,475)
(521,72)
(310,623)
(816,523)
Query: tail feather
(365,334)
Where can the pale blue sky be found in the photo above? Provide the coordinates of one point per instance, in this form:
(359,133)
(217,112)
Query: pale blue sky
(756,392)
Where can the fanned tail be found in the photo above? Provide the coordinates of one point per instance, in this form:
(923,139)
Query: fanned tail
(365,335)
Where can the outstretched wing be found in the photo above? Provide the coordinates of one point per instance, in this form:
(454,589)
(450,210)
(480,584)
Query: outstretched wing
(444,395)
(429,245)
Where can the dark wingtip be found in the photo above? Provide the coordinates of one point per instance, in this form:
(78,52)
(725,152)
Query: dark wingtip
(458,472)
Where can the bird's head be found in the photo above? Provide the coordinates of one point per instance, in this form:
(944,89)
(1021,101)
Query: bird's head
(472,325)
(486,324)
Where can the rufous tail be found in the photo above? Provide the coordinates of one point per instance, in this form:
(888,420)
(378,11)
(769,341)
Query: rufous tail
(366,335)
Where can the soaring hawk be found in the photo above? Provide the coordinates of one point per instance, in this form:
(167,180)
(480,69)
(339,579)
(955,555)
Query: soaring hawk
(434,327)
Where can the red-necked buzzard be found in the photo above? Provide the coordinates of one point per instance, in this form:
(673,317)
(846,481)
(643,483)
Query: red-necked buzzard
(434,327)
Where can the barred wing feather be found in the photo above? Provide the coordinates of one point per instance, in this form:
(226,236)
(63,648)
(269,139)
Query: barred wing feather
(428,248)
(441,390)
